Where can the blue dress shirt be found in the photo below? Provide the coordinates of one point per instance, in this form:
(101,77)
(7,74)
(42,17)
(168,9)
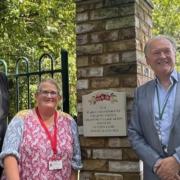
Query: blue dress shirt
(163,125)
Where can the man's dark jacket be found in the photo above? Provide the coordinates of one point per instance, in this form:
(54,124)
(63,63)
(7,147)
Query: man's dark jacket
(3,107)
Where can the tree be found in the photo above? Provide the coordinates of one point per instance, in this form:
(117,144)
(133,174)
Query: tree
(32,27)
(166,20)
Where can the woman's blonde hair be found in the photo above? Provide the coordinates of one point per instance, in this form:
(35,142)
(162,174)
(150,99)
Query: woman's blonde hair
(49,80)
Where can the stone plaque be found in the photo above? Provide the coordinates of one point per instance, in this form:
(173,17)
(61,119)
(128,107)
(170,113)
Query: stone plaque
(104,113)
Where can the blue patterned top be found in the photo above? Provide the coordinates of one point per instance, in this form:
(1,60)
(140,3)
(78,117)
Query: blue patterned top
(14,135)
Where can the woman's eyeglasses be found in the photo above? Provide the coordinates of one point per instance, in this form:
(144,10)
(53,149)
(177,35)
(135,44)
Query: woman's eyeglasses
(47,93)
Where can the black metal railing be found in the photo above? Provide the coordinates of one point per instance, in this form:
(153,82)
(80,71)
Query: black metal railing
(63,77)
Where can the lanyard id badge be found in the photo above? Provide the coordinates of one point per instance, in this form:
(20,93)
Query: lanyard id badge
(54,163)
(161,110)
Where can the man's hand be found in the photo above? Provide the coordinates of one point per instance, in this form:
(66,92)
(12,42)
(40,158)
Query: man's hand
(177,177)
(167,168)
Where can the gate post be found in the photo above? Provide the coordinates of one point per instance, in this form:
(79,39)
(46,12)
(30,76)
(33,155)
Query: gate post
(111,35)
(65,80)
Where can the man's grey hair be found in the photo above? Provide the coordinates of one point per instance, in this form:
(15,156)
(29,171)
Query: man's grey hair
(170,39)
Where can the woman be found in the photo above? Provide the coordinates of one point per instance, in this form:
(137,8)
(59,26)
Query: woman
(42,143)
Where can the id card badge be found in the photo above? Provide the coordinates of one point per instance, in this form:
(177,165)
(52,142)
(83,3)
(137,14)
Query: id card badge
(55,164)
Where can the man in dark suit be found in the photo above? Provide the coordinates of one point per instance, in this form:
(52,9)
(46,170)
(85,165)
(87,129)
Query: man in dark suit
(3,108)
(154,129)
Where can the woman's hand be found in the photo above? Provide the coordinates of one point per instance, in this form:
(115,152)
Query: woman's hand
(73,175)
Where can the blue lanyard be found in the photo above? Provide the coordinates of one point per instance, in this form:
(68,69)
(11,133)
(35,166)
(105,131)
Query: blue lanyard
(161,111)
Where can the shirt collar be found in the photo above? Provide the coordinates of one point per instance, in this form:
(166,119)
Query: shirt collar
(173,77)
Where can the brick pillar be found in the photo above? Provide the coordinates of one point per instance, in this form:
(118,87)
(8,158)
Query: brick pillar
(110,39)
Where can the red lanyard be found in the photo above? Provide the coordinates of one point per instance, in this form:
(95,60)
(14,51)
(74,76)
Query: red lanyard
(53,139)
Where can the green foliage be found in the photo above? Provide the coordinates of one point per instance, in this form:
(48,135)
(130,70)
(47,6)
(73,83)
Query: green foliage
(32,27)
(29,27)
(166,20)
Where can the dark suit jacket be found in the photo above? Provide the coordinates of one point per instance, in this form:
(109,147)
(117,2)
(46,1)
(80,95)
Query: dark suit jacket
(142,132)
(3,107)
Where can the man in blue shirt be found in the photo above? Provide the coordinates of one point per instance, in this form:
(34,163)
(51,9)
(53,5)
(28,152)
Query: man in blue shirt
(154,129)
